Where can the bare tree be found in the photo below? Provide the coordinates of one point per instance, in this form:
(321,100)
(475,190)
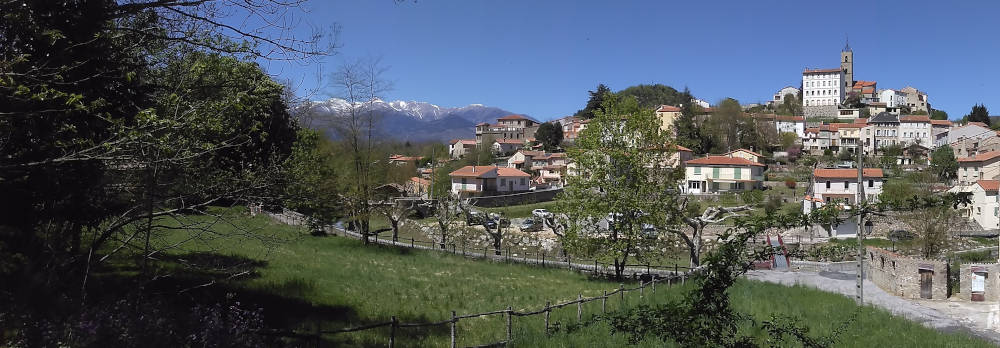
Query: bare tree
(498,232)
(559,225)
(697,223)
(933,228)
(360,83)
(397,213)
(446,212)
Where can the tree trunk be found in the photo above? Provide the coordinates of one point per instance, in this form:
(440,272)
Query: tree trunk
(395,229)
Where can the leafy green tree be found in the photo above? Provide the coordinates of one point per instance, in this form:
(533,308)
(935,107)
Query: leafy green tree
(595,102)
(313,188)
(979,114)
(939,115)
(621,181)
(727,127)
(550,135)
(790,105)
(943,163)
(652,96)
(788,139)
(685,127)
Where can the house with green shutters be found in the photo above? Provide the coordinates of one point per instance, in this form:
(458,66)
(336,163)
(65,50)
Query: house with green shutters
(715,174)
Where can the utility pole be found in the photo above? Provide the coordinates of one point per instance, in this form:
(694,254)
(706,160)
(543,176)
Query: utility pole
(430,192)
(860,296)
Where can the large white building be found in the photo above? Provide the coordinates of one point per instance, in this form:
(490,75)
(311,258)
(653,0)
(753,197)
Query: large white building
(892,98)
(822,87)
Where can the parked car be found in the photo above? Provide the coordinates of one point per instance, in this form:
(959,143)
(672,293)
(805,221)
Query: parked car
(475,218)
(530,225)
(541,213)
(497,217)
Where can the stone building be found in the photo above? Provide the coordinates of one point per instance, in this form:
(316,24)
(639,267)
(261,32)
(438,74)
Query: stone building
(906,277)
(976,283)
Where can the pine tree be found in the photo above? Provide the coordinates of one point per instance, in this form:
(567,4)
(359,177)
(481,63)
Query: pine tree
(979,114)
(685,126)
(595,102)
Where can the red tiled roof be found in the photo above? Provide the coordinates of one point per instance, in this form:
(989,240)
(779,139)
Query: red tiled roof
(867,90)
(812,130)
(420,180)
(981,157)
(977,124)
(745,150)
(848,125)
(861,84)
(681,148)
(861,120)
(914,118)
(463,141)
(989,185)
(820,71)
(510,141)
(472,171)
(941,122)
(514,117)
(847,173)
(724,161)
(668,108)
(511,172)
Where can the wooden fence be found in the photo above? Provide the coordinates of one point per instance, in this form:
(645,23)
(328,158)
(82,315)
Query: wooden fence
(669,277)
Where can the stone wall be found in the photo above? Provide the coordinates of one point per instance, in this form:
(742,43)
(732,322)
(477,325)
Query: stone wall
(516,199)
(812,266)
(900,275)
(826,111)
(992,270)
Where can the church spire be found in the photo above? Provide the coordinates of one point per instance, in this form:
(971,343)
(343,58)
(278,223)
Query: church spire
(847,43)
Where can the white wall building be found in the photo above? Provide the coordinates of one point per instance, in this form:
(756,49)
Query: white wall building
(892,98)
(822,87)
(791,124)
(841,185)
(985,206)
(916,129)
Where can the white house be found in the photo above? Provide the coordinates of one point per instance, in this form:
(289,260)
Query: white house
(458,147)
(892,98)
(916,129)
(841,185)
(791,124)
(488,180)
(984,166)
(507,146)
(822,87)
(714,174)
(985,206)
(779,97)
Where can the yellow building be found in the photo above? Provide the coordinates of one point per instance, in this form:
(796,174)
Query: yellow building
(667,115)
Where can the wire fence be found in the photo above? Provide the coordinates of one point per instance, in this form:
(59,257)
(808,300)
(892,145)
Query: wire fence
(652,278)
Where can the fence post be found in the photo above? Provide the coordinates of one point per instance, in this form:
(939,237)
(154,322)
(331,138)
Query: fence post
(547,310)
(604,303)
(579,308)
(654,286)
(392,332)
(510,323)
(454,323)
(595,266)
(621,289)
(675,268)
(641,286)
(647,268)
(411,242)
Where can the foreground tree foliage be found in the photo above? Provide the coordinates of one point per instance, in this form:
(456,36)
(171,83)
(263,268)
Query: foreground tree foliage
(624,181)
(114,115)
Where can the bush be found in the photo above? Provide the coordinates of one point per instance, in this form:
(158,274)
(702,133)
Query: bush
(790,183)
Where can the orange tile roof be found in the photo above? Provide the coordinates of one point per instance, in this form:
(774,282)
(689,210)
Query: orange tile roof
(511,172)
(510,141)
(977,124)
(724,161)
(846,173)
(420,180)
(914,118)
(989,185)
(463,141)
(941,122)
(986,156)
(861,120)
(514,117)
(668,108)
(850,125)
(681,148)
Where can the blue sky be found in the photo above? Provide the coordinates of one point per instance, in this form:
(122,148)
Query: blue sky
(540,58)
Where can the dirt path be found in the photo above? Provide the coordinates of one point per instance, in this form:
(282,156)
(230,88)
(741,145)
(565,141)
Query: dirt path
(980,319)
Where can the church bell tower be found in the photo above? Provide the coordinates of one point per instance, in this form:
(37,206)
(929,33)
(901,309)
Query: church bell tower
(847,65)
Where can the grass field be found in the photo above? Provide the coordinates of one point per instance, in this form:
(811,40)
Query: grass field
(302,280)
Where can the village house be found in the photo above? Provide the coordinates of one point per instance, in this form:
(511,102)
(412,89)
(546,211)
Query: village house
(667,114)
(984,207)
(849,135)
(971,130)
(457,148)
(417,187)
(841,185)
(715,174)
(488,180)
(983,166)
(916,129)
(790,124)
(506,147)
(882,131)
(968,147)
(940,130)
(401,160)
(523,159)
(779,96)
(818,139)
(516,127)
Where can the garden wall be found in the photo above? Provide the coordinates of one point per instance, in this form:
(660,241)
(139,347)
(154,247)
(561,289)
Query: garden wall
(988,287)
(906,277)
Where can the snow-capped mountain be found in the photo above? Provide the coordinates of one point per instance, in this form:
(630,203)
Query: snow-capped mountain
(413,120)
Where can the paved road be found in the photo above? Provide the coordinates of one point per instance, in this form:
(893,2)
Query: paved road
(979,319)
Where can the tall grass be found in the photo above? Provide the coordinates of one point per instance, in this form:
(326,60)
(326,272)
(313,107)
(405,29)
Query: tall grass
(347,284)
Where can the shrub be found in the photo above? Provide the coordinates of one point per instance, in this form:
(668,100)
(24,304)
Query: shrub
(790,183)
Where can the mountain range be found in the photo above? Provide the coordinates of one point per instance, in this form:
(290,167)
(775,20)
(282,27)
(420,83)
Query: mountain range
(412,120)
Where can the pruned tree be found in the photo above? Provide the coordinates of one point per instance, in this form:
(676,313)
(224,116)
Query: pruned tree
(397,213)
(446,210)
(499,232)
(697,221)
(559,225)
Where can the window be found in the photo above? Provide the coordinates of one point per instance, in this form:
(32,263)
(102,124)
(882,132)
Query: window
(697,170)
(464,181)
(522,182)
(503,182)
(694,184)
(715,173)
(846,185)
(828,185)
(871,183)
(737,172)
